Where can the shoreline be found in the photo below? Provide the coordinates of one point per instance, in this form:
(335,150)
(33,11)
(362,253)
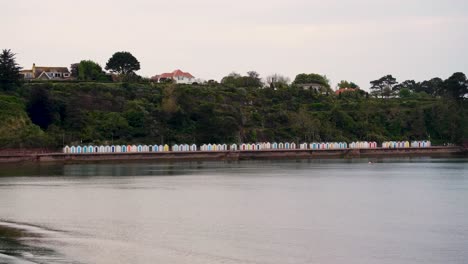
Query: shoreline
(171,156)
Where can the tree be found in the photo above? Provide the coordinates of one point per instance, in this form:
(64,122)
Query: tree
(411,85)
(123,63)
(383,86)
(346,84)
(40,107)
(432,87)
(74,70)
(9,70)
(236,80)
(277,81)
(90,71)
(456,86)
(304,78)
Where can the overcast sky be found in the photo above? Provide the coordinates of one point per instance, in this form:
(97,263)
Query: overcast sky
(355,40)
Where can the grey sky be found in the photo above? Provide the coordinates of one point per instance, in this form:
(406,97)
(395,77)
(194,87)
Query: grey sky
(356,40)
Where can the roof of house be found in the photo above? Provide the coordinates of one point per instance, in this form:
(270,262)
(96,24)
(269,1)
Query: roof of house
(174,74)
(341,90)
(52,69)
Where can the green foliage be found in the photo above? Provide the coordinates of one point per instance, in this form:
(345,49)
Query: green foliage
(101,113)
(346,84)
(304,78)
(10,76)
(456,86)
(383,87)
(90,71)
(123,63)
(40,107)
(252,80)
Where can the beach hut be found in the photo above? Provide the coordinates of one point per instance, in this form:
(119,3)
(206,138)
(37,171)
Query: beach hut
(155,148)
(204,147)
(287,145)
(145,148)
(66,149)
(220,147)
(233,147)
(134,148)
(193,147)
(91,149)
(72,149)
(79,149)
(303,146)
(281,145)
(209,147)
(267,145)
(274,145)
(243,146)
(292,145)
(165,147)
(258,146)
(101,149)
(175,147)
(97,149)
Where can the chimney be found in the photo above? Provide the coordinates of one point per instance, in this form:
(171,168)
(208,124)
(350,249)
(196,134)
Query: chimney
(34,70)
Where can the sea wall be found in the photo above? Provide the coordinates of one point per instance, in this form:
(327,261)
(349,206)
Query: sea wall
(235,155)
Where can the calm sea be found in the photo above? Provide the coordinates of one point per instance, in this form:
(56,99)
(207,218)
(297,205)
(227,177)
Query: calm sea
(390,211)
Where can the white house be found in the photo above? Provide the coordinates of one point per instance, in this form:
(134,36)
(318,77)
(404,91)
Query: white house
(46,73)
(177,76)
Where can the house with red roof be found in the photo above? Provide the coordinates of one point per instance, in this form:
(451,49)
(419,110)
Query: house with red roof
(342,90)
(177,76)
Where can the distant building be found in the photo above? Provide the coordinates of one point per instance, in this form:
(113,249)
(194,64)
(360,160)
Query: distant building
(46,73)
(312,86)
(343,90)
(177,76)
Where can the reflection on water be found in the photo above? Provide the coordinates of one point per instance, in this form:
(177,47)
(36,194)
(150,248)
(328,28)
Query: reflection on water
(403,210)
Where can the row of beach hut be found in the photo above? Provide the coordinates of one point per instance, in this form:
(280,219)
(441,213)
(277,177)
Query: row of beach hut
(242,147)
(406,144)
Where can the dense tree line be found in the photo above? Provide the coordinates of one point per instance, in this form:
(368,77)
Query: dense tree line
(170,113)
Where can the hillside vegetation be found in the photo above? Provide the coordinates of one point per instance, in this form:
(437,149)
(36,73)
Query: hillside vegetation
(50,114)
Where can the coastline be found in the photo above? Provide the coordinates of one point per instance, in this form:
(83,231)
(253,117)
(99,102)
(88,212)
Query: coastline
(233,155)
